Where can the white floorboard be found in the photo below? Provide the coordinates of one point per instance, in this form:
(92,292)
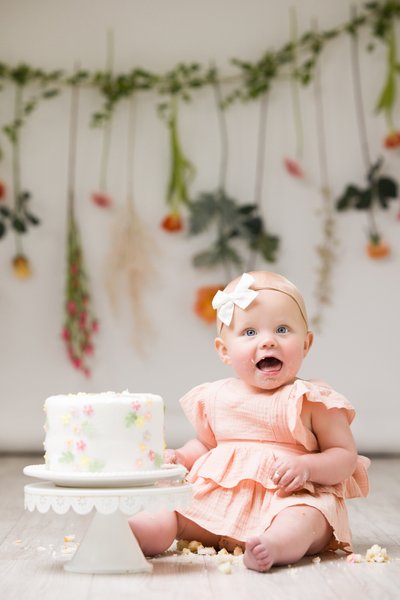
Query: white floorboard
(32,555)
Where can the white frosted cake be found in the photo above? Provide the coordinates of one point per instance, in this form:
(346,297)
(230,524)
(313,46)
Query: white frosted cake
(107,432)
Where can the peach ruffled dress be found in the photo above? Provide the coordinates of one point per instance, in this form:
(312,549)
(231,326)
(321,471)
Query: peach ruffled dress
(246,431)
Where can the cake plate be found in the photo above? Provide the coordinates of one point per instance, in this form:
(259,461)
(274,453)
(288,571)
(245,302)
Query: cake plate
(109,545)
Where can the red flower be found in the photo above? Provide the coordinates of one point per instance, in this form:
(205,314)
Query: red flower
(293,168)
(2,190)
(203,304)
(71,307)
(172,222)
(392,140)
(81,445)
(101,199)
(377,248)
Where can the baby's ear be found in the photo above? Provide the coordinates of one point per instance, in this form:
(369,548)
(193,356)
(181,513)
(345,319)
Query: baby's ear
(308,342)
(222,350)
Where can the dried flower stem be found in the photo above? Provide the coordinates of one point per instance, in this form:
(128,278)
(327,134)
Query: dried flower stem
(79,321)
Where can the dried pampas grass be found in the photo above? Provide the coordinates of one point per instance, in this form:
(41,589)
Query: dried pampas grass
(130,259)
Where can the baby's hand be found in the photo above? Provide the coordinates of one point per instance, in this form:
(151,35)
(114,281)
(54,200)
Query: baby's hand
(173,457)
(290,474)
(170,456)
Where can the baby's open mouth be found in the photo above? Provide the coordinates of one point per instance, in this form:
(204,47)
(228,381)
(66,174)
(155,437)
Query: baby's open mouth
(269,363)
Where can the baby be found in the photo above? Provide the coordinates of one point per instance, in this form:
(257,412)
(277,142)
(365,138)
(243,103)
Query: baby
(274,458)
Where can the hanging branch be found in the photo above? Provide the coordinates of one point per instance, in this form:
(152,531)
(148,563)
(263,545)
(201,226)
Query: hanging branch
(79,322)
(101,197)
(177,85)
(326,249)
(20,217)
(380,189)
(132,252)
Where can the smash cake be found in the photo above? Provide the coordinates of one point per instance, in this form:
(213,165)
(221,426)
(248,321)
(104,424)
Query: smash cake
(107,432)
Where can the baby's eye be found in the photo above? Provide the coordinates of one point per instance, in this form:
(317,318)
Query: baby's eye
(250,332)
(282,329)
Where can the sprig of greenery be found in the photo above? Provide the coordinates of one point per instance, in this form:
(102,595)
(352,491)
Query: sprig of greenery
(115,88)
(233,223)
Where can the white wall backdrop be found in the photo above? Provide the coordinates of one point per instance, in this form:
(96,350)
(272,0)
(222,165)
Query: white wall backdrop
(357,351)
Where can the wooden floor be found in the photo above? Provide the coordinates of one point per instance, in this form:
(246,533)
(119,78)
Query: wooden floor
(32,554)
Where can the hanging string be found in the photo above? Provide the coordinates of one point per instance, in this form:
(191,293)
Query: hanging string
(360,115)
(72,146)
(294,87)
(326,249)
(223,135)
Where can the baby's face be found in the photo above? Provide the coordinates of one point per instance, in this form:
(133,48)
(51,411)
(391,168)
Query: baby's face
(267,342)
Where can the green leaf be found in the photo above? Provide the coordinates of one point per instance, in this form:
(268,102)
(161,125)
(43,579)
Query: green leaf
(5,211)
(364,200)
(18,225)
(351,193)
(202,212)
(32,219)
(387,190)
(268,246)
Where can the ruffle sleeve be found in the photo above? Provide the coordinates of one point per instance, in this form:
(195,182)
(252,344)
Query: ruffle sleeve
(354,486)
(193,404)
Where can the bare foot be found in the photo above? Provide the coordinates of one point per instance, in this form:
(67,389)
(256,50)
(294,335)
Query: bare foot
(259,554)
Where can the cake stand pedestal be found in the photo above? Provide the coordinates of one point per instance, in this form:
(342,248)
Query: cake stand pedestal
(109,545)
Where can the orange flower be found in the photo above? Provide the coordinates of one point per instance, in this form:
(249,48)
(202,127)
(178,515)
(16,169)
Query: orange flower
(377,248)
(392,140)
(101,199)
(2,189)
(203,307)
(293,168)
(172,222)
(21,266)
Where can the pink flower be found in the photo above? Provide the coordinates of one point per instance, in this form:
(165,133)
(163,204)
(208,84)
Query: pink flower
(135,406)
(71,307)
(293,168)
(81,445)
(65,334)
(101,199)
(152,455)
(88,409)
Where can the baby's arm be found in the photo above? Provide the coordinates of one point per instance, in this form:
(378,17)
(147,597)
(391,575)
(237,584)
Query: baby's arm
(337,457)
(187,454)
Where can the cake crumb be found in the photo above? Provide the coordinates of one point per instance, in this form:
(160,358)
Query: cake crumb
(225,568)
(181,544)
(238,551)
(316,559)
(186,551)
(354,558)
(376,554)
(194,546)
(209,550)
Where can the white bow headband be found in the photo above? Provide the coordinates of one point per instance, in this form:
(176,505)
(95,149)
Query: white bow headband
(242,296)
(224,302)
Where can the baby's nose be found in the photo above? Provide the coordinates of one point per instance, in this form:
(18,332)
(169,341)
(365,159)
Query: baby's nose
(268,341)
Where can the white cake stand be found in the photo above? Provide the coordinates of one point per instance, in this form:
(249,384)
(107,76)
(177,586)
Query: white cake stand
(109,545)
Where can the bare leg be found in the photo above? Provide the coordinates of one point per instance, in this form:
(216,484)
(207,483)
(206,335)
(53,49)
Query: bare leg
(294,532)
(155,532)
